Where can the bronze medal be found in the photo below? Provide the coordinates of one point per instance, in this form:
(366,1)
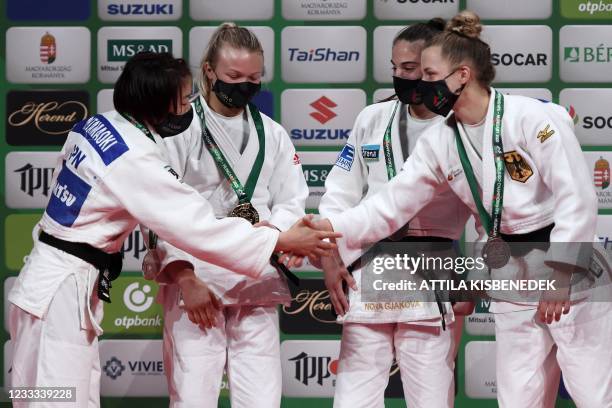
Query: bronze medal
(496,253)
(151,265)
(246,211)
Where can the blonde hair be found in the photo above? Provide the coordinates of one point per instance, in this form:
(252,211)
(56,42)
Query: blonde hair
(460,41)
(226,34)
(466,23)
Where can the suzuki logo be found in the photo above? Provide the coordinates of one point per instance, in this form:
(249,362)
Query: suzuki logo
(323,112)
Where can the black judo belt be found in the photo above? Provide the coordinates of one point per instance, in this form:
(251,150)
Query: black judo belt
(524,243)
(391,173)
(109,265)
(442,244)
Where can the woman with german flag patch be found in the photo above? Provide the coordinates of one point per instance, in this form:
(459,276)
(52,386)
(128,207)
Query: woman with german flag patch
(516,163)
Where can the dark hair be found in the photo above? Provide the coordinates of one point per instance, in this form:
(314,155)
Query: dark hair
(421,31)
(418,32)
(460,42)
(149,85)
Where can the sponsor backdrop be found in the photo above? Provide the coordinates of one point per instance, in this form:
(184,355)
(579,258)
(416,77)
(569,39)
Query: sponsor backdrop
(325,60)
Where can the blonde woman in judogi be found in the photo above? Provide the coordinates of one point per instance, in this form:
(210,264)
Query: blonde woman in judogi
(229,139)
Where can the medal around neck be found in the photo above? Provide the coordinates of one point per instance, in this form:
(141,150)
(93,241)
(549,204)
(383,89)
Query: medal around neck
(496,253)
(246,211)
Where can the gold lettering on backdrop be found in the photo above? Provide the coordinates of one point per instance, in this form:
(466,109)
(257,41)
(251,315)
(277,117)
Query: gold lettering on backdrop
(49,112)
(313,302)
(377,307)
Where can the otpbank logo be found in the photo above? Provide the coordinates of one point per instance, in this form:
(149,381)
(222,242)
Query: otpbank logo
(587,10)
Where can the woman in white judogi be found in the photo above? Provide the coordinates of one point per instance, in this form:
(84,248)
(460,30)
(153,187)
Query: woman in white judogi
(111,175)
(242,333)
(548,195)
(383,136)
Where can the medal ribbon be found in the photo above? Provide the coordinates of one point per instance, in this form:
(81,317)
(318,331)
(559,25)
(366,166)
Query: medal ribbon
(147,132)
(244,193)
(139,125)
(491,223)
(388,148)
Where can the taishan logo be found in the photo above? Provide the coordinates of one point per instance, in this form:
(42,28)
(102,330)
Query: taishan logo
(322,55)
(323,113)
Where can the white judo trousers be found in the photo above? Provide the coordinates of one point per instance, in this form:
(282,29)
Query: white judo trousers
(425,356)
(55,351)
(580,343)
(245,342)
(371,339)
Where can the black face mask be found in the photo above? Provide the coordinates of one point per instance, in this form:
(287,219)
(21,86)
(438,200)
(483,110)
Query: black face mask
(236,94)
(406,90)
(174,124)
(437,97)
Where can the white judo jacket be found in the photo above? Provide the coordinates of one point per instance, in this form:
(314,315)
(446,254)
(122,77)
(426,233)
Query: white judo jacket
(279,198)
(347,185)
(546,181)
(109,178)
